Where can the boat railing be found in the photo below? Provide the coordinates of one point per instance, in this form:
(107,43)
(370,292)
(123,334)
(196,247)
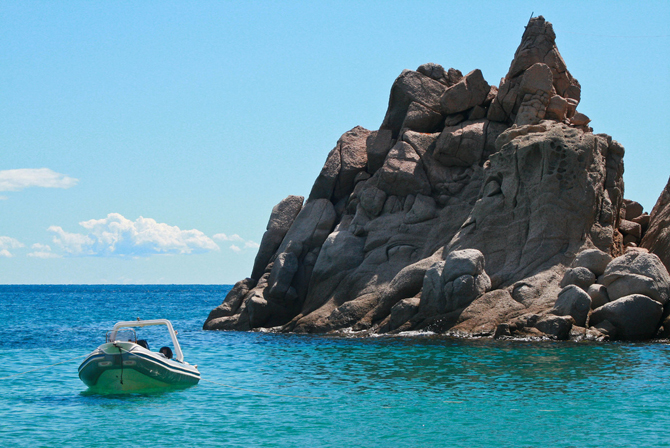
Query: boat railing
(120,326)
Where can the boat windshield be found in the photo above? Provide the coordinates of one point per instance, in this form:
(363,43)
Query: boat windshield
(122,335)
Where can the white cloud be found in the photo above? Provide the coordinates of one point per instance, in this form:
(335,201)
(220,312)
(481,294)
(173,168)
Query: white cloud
(7,243)
(235,238)
(16,180)
(73,243)
(3,198)
(43,255)
(42,251)
(251,244)
(116,236)
(224,237)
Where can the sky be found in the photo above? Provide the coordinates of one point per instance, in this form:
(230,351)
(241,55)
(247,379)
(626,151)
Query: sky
(147,142)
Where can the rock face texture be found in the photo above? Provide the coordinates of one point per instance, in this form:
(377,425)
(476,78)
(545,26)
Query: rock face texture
(473,210)
(657,234)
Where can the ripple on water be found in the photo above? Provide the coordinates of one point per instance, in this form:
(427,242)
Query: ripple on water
(384,391)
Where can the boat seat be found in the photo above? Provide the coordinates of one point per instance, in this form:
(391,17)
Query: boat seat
(143,343)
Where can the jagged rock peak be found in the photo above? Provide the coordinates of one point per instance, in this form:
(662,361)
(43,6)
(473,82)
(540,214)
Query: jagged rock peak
(523,97)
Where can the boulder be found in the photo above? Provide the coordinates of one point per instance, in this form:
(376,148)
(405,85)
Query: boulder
(557,109)
(573,301)
(579,276)
(419,118)
(599,296)
(404,311)
(467,93)
(454,283)
(439,74)
(630,228)
(463,262)
(594,260)
(633,209)
(556,327)
(485,313)
(410,87)
(643,220)
(463,290)
(637,272)
(635,316)
(579,119)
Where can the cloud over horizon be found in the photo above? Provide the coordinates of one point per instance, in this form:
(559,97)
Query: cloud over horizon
(17,180)
(42,251)
(7,243)
(116,236)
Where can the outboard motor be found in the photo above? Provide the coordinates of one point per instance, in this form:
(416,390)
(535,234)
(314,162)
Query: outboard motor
(166,351)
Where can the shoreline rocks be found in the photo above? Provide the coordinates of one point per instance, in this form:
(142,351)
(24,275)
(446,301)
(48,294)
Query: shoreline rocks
(474,211)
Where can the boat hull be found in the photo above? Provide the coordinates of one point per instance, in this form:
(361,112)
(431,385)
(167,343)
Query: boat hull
(119,367)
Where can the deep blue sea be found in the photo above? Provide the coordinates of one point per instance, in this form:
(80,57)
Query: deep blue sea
(422,391)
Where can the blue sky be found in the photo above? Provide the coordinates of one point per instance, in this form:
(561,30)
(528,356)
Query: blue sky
(152,139)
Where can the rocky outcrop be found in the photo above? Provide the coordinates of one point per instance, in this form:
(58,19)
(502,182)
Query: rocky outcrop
(473,210)
(657,236)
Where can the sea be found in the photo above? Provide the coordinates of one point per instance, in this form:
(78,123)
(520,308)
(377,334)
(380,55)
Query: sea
(261,389)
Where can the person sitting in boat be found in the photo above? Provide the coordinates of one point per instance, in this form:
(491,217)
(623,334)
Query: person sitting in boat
(166,351)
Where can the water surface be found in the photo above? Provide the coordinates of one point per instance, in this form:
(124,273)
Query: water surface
(375,392)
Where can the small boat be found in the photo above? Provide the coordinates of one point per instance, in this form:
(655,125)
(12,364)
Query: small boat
(124,363)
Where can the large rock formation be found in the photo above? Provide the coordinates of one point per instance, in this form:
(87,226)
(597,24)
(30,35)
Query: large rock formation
(473,210)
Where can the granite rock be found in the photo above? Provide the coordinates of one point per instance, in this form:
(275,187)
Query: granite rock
(469,92)
(281,219)
(594,260)
(657,237)
(470,207)
(637,272)
(579,276)
(635,316)
(599,296)
(573,301)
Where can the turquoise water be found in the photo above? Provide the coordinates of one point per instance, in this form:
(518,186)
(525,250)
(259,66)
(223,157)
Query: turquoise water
(376,392)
